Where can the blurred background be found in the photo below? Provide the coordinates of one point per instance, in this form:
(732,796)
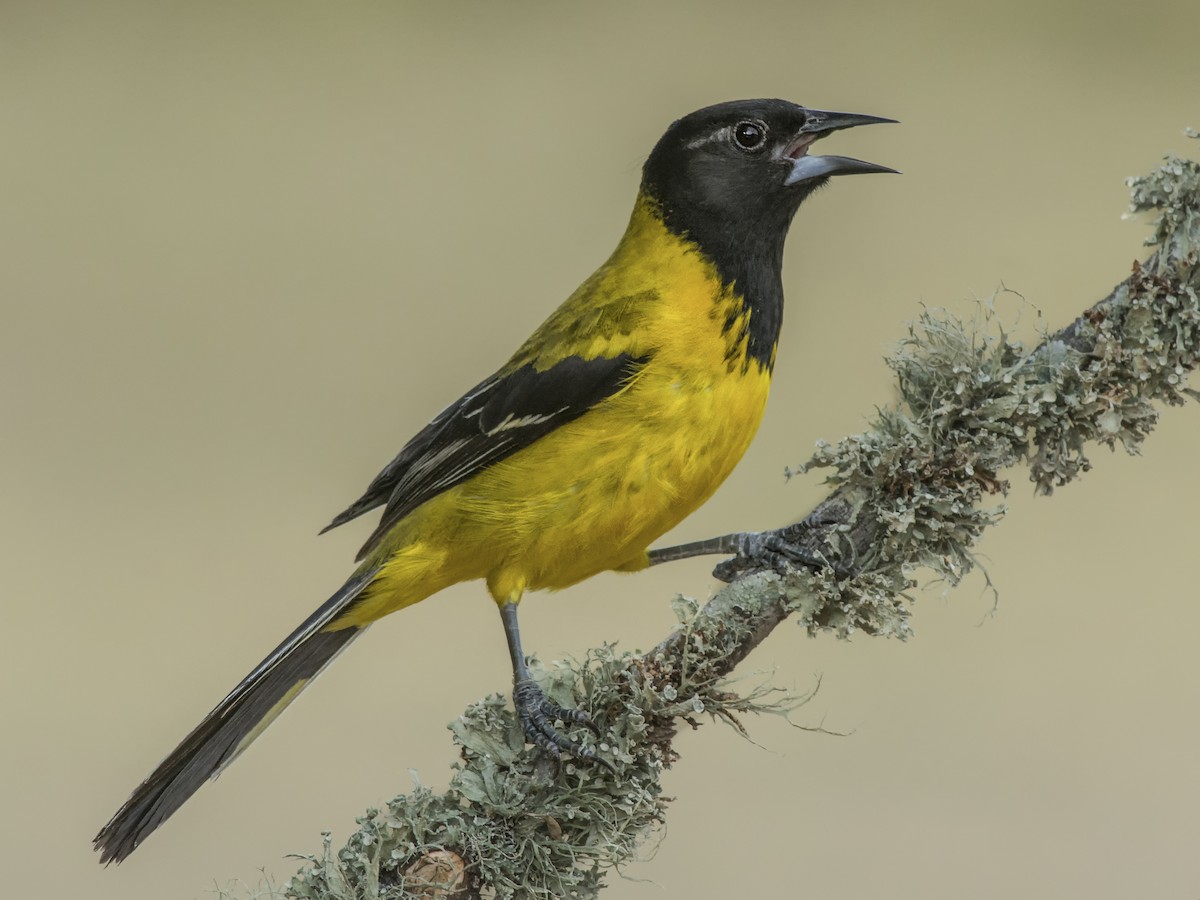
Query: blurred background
(249,249)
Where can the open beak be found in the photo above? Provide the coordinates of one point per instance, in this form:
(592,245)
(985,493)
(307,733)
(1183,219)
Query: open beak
(819,123)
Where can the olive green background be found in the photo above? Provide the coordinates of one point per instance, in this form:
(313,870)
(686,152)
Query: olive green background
(247,249)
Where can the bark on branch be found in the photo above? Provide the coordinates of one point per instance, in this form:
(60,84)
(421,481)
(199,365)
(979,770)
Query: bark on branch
(914,492)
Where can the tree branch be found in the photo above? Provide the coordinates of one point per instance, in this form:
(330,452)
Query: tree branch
(912,492)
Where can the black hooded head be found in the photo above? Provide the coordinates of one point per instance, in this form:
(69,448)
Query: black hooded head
(730,178)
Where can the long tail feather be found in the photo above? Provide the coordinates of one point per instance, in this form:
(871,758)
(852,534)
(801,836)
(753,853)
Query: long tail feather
(232,725)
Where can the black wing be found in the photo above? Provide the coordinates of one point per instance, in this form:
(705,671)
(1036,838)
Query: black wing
(492,421)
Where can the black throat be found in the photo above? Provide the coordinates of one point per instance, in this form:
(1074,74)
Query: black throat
(748,257)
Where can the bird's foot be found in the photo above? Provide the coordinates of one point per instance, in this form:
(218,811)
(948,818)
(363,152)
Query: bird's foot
(538,713)
(784,549)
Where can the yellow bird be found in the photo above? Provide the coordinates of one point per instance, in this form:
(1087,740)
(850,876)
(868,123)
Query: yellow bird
(619,416)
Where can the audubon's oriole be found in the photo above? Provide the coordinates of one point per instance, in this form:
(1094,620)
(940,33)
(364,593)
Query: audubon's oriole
(618,417)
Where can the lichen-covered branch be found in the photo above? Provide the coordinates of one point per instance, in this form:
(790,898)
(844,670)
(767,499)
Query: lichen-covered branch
(913,492)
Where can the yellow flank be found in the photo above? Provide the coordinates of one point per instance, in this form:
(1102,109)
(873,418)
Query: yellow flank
(594,493)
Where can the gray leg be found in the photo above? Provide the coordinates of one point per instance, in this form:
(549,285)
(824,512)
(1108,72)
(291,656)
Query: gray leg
(536,712)
(779,550)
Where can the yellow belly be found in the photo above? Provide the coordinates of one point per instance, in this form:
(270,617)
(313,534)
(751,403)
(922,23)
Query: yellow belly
(591,497)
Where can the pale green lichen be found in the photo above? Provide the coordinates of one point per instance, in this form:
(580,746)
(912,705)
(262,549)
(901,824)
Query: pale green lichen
(524,830)
(975,402)
(914,491)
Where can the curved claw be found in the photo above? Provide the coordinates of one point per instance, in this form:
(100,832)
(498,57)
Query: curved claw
(537,714)
(781,550)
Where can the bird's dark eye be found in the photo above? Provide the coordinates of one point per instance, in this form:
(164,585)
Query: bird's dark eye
(750,136)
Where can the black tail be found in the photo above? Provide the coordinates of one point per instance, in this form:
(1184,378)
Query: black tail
(232,726)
